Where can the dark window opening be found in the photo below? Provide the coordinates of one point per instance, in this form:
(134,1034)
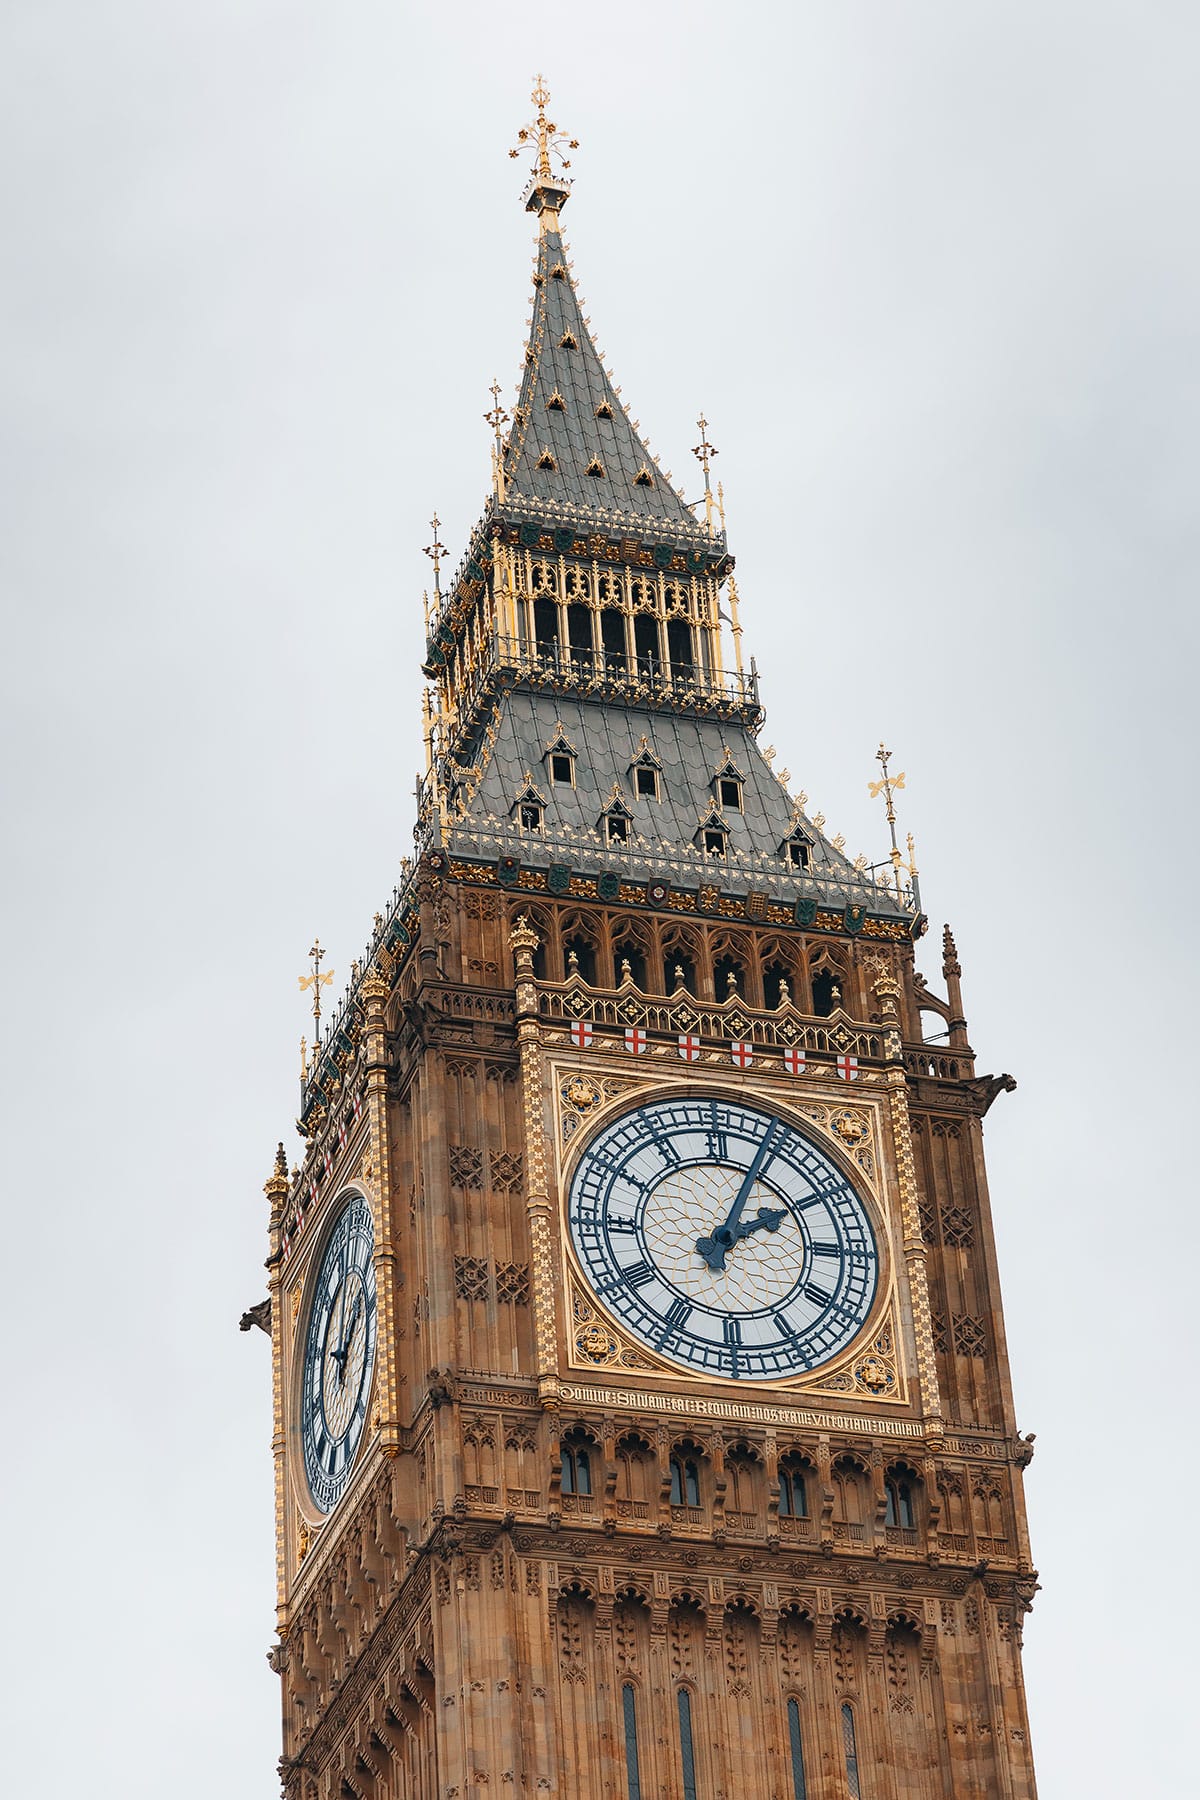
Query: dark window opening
(612,635)
(799,1787)
(729,792)
(629,953)
(776,985)
(576,1469)
(646,782)
(900,1510)
(793,1496)
(545,624)
(616,828)
(797,852)
(685,1481)
(714,843)
(826,994)
(687,1751)
(579,627)
(678,971)
(531,817)
(645,642)
(729,977)
(680,648)
(604,410)
(629,1718)
(581,959)
(562,769)
(850,1746)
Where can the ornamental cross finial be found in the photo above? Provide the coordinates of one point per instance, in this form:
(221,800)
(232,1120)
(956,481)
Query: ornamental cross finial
(544,133)
(888,785)
(497,418)
(704,452)
(436,551)
(316,981)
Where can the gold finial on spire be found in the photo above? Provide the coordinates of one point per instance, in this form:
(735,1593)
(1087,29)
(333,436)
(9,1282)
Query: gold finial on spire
(497,418)
(316,981)
(705,452)
(887,786)
(435,552)
(546,192)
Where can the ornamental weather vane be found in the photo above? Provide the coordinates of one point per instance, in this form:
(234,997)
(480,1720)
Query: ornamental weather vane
(544,133)
(704,453)
(889,785)
(435,552)
(316,981)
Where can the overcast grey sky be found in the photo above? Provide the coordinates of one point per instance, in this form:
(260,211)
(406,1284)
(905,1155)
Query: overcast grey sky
(931,270)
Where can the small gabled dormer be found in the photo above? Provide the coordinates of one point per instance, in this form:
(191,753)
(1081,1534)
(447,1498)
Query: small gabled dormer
(728,784)
(712,835)
(797,849)
(560,757)
(529,807)
(645,773)
(616,821)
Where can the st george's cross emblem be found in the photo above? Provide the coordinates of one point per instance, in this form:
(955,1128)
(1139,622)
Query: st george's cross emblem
(312,1190)
(342,1132)
(847,1067)
(793,1061)
(327,1160)
(635,1039)
(358,1106)
(742,1054)
(689,1046)
(581,1033)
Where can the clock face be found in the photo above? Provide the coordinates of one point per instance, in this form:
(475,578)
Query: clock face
(723,1238)
(339,1355)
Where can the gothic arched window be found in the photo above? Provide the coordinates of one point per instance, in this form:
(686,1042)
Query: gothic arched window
(576,1466)
(793,1494)
(899,1494)
(685,1481)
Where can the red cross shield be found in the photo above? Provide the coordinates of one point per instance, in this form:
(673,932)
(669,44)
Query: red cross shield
(793,1061)
(581,1033)
(689,1046)
(635,1040)
(742,1054)
(847,1067)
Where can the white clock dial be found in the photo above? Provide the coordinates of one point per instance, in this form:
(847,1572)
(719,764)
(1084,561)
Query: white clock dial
(724,1238)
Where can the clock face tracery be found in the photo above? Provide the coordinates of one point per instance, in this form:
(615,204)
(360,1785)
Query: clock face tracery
(339,1355)
(723,1238)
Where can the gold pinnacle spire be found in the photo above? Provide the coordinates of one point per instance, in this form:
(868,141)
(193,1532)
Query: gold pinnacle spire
(705,452)
(316,981)
(436,551)
(546,192)
(497,418)
(887,786)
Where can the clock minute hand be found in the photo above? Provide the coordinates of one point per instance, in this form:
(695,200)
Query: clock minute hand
(713,1248)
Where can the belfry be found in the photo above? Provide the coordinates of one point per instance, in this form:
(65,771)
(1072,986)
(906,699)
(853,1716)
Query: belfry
(642,1417)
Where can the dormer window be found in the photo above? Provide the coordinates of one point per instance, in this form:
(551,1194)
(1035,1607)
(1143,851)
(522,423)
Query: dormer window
(713,835)
(546,460)
(558,272)
(616,828)
(643,478)
(646,771)
(796,851)
(529,809)
(714,842)
(728,782)
(568,341)
(560,758)
(556,403)
(595,467)
(604,410)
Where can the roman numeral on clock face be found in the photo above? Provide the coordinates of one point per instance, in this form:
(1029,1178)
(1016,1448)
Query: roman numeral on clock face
(675,1318)
(817,1295)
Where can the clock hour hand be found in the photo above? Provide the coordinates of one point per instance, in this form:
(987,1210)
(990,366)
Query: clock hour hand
(713,1248)
(769,1218)
(340,1355)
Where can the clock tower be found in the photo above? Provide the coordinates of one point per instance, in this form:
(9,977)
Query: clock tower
(643,1427)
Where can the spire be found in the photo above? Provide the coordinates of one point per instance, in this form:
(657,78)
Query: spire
(572,439)
(546,194)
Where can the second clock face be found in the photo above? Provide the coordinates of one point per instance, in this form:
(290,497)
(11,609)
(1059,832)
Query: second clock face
(339,1355)
(723,1238)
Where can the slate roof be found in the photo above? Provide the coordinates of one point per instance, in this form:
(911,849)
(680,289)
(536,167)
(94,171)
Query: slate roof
(690,749)
(574,436)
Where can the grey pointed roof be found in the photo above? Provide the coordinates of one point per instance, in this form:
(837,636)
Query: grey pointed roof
(563,386)
(691,751)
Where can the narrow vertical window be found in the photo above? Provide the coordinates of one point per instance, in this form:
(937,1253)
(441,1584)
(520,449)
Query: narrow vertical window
(799,1788)
(686,1750)
(629,1711)
(851,1748)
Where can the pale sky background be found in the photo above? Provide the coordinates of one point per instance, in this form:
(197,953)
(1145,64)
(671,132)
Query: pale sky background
(931,270)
